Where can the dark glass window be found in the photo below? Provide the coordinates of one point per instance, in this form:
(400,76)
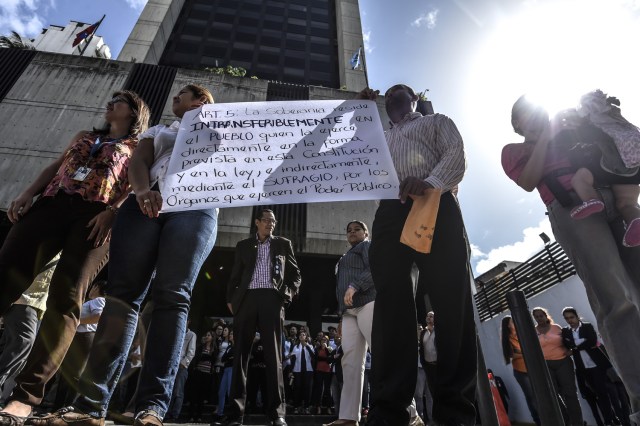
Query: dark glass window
(251,22)
(249,38)
(321,66)
(297,29)
(295,62)
(272,25)
(295,21)
(319,32)
(187,47)
(320,48)
(219,34)
(266,58)
(223,17)
(295,44)
(270,41)
(278,11)
(297,14)
(210,49)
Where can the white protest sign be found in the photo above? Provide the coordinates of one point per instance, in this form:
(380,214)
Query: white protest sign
(252,153)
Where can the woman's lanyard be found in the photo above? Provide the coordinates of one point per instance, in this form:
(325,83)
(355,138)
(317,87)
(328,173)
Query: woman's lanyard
(83,171)
(95,148)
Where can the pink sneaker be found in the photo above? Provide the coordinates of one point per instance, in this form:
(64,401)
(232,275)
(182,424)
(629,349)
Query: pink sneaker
(586,209)
(632,235)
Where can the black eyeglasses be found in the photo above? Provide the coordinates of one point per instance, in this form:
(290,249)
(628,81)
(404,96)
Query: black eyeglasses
(117,99)
(267,220)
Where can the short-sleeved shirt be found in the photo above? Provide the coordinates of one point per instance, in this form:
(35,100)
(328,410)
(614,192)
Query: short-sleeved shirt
(518,359)
(551,342)
(90,308)
(164,138)
(515,157)
(109,165)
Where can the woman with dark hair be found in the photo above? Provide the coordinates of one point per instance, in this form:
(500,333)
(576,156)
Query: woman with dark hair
(79,195)
(202,374)
(591,363)
(559,364)
(356,294)
(169,246)
(512,353)
(224,389)
(539,163)
(302,354)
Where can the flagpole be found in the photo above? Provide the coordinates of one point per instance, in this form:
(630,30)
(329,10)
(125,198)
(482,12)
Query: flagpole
(364,66)
(87,42)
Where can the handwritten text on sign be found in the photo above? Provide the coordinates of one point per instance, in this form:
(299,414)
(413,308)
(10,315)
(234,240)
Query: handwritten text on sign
(242,154)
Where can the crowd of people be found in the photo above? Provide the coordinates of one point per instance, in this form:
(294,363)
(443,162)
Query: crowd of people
(103,194)
(577,361)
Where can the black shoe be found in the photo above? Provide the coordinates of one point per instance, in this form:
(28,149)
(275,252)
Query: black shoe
(226,421)
(279,421)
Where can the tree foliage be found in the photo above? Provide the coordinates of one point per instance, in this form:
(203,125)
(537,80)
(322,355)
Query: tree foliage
(15,41)
(229,70)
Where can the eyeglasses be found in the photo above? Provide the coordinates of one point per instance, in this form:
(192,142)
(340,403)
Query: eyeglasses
(273,221)
(117,99)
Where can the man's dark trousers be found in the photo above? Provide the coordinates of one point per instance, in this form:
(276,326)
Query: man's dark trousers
(394,348)
(261,310)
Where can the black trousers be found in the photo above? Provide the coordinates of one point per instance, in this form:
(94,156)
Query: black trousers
(51,225)
(596,379)
(444,274)
(261,310)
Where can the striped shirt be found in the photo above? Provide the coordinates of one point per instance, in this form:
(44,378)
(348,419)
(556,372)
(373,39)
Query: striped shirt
(353,270)
(427,147)
(262,273)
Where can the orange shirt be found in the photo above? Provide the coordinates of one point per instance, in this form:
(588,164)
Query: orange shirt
(518,359)
(551,343)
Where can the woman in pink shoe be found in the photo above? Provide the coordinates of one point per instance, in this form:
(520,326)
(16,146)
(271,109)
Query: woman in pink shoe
(609,270)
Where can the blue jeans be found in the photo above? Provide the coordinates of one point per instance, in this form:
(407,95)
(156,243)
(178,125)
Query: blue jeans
(527,390)
(175,245)
(225,389)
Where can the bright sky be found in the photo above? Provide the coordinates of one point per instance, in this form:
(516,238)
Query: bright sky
(476,57)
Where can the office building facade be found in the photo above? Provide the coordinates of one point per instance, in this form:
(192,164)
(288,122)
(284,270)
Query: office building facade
(309,42)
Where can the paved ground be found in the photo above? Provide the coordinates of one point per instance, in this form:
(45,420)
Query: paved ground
(292,420)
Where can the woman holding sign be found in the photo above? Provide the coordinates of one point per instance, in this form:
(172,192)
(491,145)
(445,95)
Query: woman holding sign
(79,195)
(174,245)
(356,294)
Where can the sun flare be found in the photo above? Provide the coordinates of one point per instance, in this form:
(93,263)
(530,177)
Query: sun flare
(556,51)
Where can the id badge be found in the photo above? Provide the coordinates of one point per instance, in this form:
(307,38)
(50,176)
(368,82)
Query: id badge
(81,174)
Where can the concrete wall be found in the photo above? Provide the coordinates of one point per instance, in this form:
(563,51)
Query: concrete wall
(349,28)
(571,292)
(56,96)
(151,32)
(59,95)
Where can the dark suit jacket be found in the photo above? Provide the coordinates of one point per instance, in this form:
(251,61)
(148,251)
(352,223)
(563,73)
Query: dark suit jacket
(285,272)
(590,345)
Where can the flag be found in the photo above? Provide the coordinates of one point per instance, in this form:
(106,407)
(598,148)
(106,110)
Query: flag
(355,59)
(85,33)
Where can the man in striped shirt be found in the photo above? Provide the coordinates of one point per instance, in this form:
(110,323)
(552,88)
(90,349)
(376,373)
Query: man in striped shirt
(265,275)
(427,152)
